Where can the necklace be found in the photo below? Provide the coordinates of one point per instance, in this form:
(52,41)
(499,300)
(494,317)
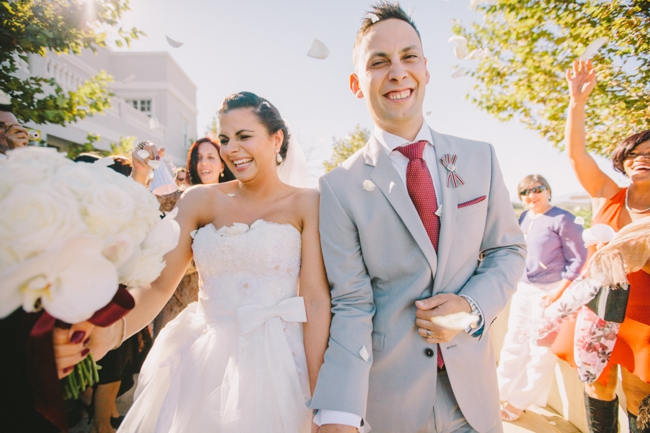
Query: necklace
(627,192)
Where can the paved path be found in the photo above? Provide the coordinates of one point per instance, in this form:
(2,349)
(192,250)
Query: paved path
(540,420)
(535,420)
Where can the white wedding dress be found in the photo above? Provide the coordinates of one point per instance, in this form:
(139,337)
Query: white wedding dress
(234,361)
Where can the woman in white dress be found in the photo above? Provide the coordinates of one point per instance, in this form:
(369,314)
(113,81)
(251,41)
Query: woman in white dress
(239,360)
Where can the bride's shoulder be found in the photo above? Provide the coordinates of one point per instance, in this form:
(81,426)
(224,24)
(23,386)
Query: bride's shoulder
(306,202)
(202,197)
(204,192)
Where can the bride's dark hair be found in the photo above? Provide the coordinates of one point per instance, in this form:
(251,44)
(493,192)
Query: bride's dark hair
(265,111)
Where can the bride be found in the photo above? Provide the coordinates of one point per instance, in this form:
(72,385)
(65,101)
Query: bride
(239,359)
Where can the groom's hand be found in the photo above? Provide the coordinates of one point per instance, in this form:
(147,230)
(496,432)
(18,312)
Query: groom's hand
(438,305)
(337,428)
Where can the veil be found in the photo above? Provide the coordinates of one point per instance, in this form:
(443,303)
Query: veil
(293,169)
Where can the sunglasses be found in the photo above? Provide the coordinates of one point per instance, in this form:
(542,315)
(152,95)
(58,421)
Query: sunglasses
(633,155)
(536,189)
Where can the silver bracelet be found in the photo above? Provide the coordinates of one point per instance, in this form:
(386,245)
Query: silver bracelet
(123,333)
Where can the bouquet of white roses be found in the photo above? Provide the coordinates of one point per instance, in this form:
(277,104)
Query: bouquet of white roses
(71,233)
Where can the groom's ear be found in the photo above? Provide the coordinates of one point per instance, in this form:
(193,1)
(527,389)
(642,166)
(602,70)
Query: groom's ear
(354,86)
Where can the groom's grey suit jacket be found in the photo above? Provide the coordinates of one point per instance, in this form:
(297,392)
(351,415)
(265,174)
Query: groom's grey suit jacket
(379,260)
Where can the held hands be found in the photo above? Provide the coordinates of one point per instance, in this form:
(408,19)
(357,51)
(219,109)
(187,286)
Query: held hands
(438,305)
(581,79)
(72,345)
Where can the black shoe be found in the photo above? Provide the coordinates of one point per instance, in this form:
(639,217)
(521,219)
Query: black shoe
(602,415)
(116,421)
(632,423)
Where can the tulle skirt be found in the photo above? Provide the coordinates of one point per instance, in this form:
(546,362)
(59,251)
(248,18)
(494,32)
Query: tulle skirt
(203,375)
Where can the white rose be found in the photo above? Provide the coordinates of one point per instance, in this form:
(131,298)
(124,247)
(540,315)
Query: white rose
(36,218)
(146,263)
(141,269)
(70,282)
(107,209)
(77,178)
(31,165)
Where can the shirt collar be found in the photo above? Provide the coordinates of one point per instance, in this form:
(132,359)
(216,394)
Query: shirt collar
(390,142)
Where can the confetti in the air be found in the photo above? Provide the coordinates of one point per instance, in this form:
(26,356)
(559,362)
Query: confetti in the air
(318,50)
(593,48)
(460,46)
(173,43)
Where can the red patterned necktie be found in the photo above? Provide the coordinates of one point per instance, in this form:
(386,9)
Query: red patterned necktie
(423,194)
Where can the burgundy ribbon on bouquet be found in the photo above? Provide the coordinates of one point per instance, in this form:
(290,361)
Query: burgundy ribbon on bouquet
(48,395)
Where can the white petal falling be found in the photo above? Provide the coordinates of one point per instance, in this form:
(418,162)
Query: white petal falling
(173,43)
(593,48)
(460,46)
(318,50)
(458,73)
(476,54)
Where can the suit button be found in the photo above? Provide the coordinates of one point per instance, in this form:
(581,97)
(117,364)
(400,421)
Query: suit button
(428,352)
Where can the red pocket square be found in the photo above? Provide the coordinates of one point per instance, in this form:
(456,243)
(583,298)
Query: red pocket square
(471,202)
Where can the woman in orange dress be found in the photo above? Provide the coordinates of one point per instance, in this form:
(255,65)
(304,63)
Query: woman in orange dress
(621,206)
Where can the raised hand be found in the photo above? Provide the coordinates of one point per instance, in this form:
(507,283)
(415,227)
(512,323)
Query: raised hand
(581,79)
(141,167)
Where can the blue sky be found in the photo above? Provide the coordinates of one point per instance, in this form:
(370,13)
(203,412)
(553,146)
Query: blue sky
(261,46)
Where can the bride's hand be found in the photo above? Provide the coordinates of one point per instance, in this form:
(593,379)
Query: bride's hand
(71,346)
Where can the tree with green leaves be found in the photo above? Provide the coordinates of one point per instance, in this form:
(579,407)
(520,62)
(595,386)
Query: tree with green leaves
(520,49)
(345,147)
(59,26)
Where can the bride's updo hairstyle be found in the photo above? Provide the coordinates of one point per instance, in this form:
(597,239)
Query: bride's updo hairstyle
(265,111)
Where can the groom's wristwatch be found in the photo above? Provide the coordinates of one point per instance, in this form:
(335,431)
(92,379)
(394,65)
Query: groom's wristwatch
(476,311)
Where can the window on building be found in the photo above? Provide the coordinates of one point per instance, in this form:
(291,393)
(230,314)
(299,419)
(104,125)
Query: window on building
(143,105)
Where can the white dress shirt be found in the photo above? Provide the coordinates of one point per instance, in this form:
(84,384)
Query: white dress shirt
(389,142)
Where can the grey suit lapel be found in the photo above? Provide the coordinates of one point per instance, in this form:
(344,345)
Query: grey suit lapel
(391,185)
(442,145)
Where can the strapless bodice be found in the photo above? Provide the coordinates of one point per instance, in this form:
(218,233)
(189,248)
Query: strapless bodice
(242,265)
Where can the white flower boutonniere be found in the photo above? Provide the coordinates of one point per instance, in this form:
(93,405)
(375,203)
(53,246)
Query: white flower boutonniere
(368,185)
(448,160)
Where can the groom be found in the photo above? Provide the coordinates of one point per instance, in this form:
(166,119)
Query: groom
(415,225)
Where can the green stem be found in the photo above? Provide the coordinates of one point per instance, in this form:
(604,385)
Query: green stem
(85,374)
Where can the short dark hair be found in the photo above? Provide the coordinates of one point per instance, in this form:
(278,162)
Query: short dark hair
(193,160)
(120,164)
(622,151)
(6,107)
(265,112)
(531,179)
(86,157)
(384,10)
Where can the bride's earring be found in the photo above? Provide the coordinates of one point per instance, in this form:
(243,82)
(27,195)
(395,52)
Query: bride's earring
(278,158)
(221,174)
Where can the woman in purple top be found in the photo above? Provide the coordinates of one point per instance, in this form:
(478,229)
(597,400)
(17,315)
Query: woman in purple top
(556,254)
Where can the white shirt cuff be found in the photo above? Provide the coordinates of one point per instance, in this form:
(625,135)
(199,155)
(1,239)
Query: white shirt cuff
(324,416)
(478,330)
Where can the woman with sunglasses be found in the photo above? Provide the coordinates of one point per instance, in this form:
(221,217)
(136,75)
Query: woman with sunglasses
(620,207)
(555,255)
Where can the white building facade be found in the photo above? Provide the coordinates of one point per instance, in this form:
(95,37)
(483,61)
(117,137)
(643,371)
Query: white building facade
(154,99)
